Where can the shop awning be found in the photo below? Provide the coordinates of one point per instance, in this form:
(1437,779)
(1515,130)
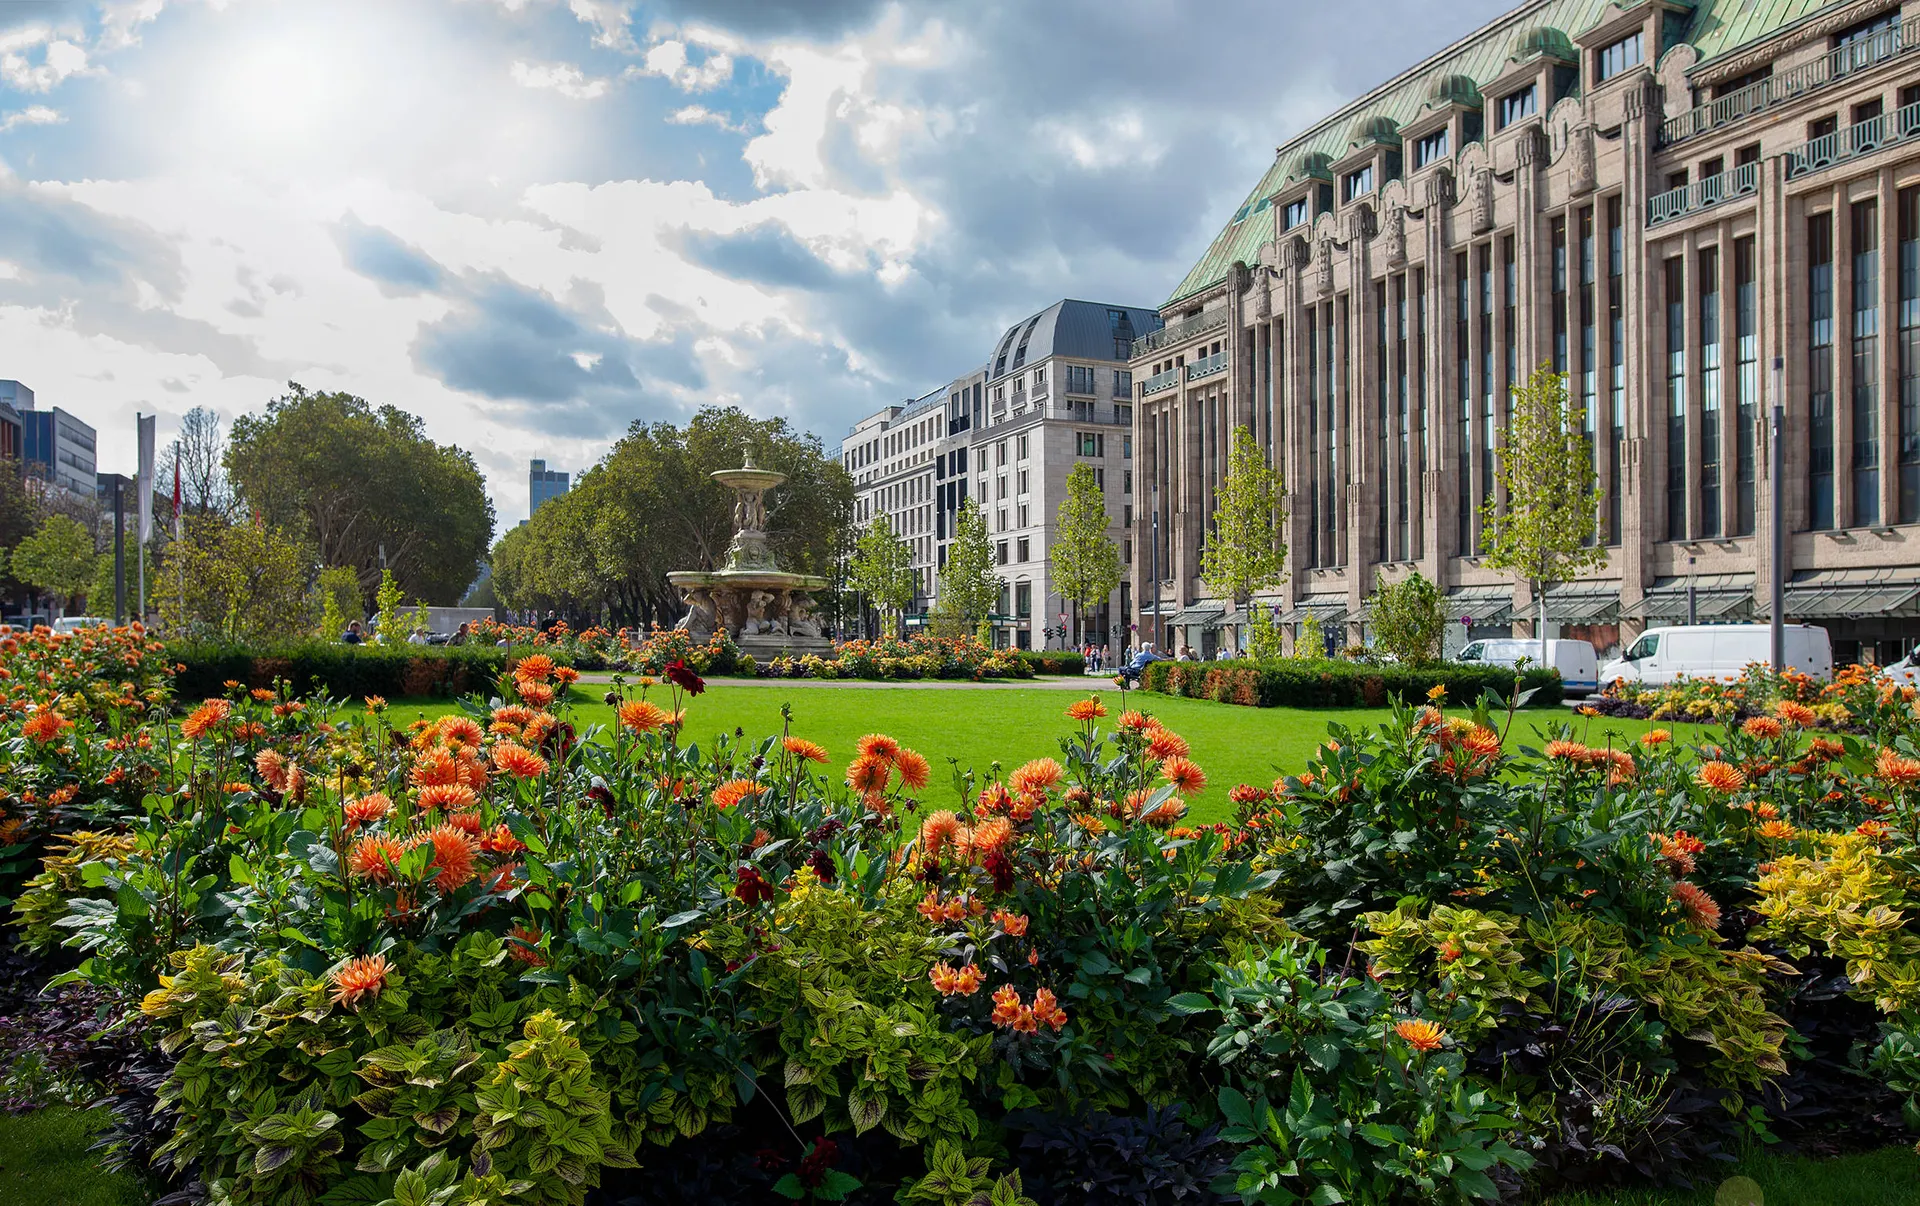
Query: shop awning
(1328,609)
(1584,603)
(1848,593)
(1486,604)
(1716,597)
(1200,615)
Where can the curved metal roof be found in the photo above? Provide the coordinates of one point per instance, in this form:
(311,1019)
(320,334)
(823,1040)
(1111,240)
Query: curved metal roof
(1082,329)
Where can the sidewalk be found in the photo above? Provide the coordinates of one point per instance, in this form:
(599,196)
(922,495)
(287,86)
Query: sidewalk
(1069,682)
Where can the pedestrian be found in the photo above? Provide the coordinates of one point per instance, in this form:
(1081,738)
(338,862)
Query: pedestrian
(459,636)
(352,635)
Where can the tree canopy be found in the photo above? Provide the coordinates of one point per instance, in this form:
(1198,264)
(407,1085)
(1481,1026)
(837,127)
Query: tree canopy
(968,586)
(57,558)
(348,478)
(882,567)
(239,582)
(1082,560)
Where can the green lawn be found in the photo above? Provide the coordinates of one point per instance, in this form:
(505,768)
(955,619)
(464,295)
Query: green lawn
(44,1161)
(1890,1177)
(977,727)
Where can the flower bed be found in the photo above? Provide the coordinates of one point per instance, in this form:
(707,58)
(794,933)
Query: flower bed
(329,667)
(919,656)
(1327,683)
(485,960)
(1852,700)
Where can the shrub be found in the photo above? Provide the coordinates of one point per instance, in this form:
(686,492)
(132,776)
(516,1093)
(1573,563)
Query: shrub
(1408,619)
(1303,683)
(1054,661)
(328,667)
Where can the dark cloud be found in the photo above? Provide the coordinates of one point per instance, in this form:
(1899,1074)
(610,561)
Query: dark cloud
(399,268)
(812,18)
(766,254)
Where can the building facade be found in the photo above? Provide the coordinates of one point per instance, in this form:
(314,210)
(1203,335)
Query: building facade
(1056,391)
(53,444)
(1662,201)
(543,484)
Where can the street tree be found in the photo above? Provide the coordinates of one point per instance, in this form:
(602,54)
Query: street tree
(1408,619)
(58,557)
(245,583)
(968,586)
(1083,562)
(200,452)
(1245,553)
(882,568)
(1545,534)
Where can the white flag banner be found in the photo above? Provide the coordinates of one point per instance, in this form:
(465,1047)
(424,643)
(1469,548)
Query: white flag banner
(144,482)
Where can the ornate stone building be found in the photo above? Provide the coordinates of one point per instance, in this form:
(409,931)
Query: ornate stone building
(1659,199)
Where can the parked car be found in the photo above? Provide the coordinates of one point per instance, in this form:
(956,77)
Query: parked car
(1579,671)
(25,623)
(1718,651)
(1906,670)
(76,623)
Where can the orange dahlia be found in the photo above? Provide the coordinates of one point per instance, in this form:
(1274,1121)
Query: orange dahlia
(1794,713)
(1720,776)
(733,792)
(1421,1035)
(373,856)
(1169,811)
(1653,737)
(1763,727)
(205,717)
(367,809)
(1699,907)
(1135,721)
(453,856)
(642,716)
(519,761)
(877,745)
(937,831)
(523,943)
(913,769)
(992,834)
(363,977)
(537,667)
(1036,776)
(447,797)
(45,724)
(1087,709)
(869,773)
(806,751)
(1778,831)
(1185,775)
(1896,769)
(1566,751)
(1165,743)
(460,730)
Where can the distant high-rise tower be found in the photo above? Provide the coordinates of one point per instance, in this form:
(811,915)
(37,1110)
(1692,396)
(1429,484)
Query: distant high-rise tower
(542,484)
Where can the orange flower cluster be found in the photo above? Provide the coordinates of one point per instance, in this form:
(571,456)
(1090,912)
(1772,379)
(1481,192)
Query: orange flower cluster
(1010,1014)
(1678,851)
(357,978)
(1421,1034)
(1013,925)
(1698,907)
(879,759)
(205,719)
(1896,770)
(949,982)
(45,724)
(954,908)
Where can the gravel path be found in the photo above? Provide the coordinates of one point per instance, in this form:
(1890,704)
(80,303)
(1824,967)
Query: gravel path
(1089,682)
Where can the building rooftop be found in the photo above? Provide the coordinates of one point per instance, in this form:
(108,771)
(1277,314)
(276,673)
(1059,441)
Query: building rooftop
(1082,329)
(1541,26)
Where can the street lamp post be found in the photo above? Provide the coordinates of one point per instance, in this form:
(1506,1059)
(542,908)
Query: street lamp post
(1776,492)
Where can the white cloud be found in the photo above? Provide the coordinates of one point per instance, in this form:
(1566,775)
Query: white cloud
(611,19)
(32,115)
(60,58)
(700,115)
(564,78)
(669,61)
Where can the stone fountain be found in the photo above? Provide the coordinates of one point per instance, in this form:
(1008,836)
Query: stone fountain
(766,610)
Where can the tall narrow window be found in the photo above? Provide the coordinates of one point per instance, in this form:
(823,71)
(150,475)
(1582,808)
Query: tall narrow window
(1487,386)
(1382,549)
(1510,325)
(1343,421)
(1403,518)
(1419,411)
(1559,301)
(1312,317)
(1709,392)
(1746,382)
(1910,355)
(1676,399)
(1866,359)
(1616,363)
(1820,371)
(1589,370)
(1463,353)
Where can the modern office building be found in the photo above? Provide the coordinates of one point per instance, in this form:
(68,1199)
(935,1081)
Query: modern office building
(543,484)
(1055,392)
(12,436)
(53,444)
(1661,200)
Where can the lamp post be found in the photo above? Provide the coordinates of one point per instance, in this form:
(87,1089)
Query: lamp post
(1776,504)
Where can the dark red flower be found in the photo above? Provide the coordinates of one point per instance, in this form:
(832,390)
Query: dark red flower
(768,1160)
(751,887)
(815,1165)
(1000,867)
(822,864)
(681,675)
(601,796)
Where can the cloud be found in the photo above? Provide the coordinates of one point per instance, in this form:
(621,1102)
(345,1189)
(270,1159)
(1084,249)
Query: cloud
(766,254)
(669,61)
(400,269)
(32,115)
(700,115)
(810,18)
(59,58)
(564,78)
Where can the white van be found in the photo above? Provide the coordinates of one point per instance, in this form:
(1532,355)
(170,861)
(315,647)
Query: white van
(1717,651)
(1579,670)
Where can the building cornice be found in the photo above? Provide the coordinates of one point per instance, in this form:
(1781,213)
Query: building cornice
(1758,54)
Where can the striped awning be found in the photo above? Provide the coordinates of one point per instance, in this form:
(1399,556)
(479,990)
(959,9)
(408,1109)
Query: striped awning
(1716,597)
(1486,604)
(1328,609)
(1848,593)
(1584,603)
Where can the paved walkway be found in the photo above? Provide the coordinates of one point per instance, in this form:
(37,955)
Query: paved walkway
(1090,682)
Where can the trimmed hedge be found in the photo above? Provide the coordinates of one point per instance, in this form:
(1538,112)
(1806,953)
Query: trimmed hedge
(1332,684)
(1054,661)
(350,671)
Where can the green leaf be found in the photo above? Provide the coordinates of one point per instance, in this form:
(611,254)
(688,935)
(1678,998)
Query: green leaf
(1188,1003)
(679,919)
(789,1187)
(1323,1051)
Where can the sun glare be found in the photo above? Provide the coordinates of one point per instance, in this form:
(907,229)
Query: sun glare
(285,89)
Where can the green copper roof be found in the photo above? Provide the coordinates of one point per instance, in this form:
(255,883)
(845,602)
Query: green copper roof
(1717,27)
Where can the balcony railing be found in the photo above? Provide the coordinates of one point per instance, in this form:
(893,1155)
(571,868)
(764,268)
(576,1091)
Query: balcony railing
(1039,390)
(1166,337)
(1160,381)
(1207,367)
(1854,140)
(1829,68)
(1704,194)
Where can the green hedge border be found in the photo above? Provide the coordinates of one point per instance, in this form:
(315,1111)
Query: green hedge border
(351,671)
(1054,661)
(1333,684)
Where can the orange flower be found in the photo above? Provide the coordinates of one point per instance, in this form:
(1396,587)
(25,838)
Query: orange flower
(523,943)
(877,745)
(1566,751)
(519,761)
(1164,743)
(1482,742)
(1874,830)
(536,693)
(1722,777)
(1013,925)
(937,831)
(1699,907)
(1824,749)
(869,773)
(535,668)
(205,717)
(808,751)
(513,714)
(1086,709)
(1794,713)
(949,982)
(434,767)
(1896,770)
(992,834)
(500,840)
(1653,737)
(447,797)
(566,676)
(1763,727)
(1046,1009)
(1421,1034)
(1036,776)
(1187,777)
(373,856)
(260,694)
(733,791)
(453,855)
(45,724)
(1778,831)
(363,977)
(1679,849)
(1168,812)
(367,809)
(642,716)
(1135,721)
(913,768)
(1006,1005)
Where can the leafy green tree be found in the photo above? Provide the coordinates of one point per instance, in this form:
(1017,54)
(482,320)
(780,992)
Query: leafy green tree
(349,479)
(339,591)
(17,514)
(968,586)
(100,592)
(882,568)
(1312,641)
(238,582)
(390,623)
(1082,561)
(57,558)
(1408,619)
(1264,639)
(1545,534)
(1245,553)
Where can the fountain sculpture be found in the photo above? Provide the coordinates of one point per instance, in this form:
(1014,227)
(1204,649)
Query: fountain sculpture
(766,610)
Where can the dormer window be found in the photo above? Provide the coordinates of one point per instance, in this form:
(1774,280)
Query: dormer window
(1296,213)
(1516,106)
(1431,149)
(1356,184)
(1628,52)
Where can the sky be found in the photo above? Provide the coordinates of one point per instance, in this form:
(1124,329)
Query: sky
(535,222)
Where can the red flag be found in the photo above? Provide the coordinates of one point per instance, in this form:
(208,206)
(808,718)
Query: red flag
(176,496)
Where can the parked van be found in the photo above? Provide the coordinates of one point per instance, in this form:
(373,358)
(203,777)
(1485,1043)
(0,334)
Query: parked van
(1717,651)
(1579,669)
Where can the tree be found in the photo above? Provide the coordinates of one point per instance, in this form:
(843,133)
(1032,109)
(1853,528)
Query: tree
(1408,619)
(968,586)
(57,558)
(882,568)
(200,452)
(339,590)
(17,513)
(351,479)
(1246,554)
(237,582)
(100,592)
(1546,533)
(1082,560)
